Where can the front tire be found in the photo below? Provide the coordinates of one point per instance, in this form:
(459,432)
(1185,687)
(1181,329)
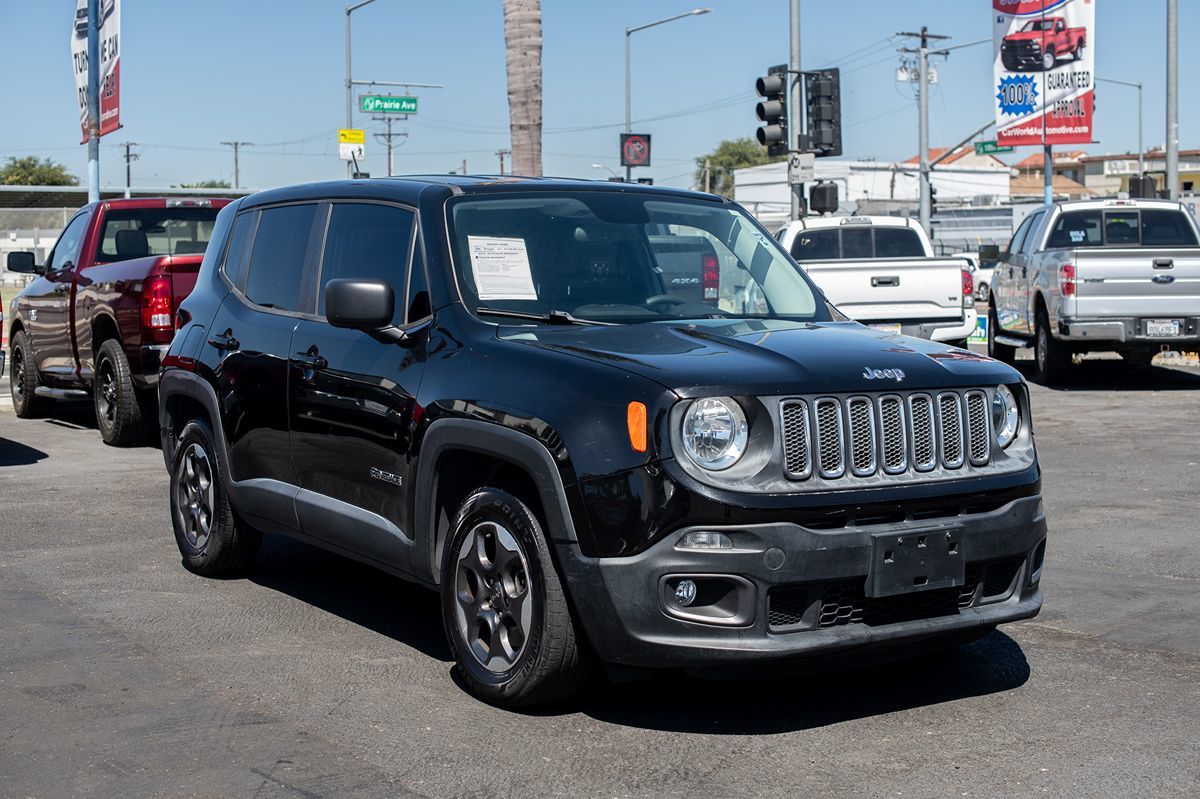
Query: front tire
(118,408)
(212,541)
(24,377)
(1001,352)
(1049,59)
(506,616)
(1052,360)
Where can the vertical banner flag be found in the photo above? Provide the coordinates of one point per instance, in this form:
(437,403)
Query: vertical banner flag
(110,63)
(1044,58)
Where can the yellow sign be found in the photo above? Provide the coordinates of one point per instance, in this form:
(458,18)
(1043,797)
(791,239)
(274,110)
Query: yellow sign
(351,136)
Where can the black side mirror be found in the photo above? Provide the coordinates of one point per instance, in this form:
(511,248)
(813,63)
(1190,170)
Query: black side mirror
(359,304)
(23,262)
(989,252)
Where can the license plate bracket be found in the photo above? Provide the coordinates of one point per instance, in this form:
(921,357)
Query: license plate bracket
(1162,328)
(922,560)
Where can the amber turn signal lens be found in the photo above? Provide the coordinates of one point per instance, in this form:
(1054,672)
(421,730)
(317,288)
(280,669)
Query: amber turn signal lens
(636,420)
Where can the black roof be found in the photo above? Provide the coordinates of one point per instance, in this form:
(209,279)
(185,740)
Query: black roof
(408,188)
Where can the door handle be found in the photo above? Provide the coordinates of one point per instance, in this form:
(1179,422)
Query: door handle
(310,360)
(225,341)
(885,280)
(1164,263)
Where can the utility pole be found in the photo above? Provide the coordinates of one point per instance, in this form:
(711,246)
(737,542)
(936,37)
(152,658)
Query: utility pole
(130,157)
(464,166)
(503,154)
(794,112)
(708,175)
(237,174)
(1173,99)
(925,213)
(93,100)
(387,137)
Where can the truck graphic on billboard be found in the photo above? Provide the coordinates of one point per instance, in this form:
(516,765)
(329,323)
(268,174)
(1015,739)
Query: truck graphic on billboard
(1044,80)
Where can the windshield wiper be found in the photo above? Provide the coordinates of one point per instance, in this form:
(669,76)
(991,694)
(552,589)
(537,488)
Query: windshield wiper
(550,317)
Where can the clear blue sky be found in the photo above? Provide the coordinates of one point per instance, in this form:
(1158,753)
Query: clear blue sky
(198,73)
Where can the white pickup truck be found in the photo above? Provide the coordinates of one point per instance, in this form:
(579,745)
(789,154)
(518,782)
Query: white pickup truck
(881,271)
(1097,275)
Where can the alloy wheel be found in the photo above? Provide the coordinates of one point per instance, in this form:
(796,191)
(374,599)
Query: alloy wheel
(195,495)
(17,372)
(106,393)
(494,609)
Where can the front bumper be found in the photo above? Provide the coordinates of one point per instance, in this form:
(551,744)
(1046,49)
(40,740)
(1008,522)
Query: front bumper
(799,592)
(1125,330)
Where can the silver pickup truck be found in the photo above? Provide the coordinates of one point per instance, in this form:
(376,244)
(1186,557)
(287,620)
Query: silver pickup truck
(1097,275)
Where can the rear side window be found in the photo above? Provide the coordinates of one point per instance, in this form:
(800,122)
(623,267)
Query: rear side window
(370,242)
(817,245)
(1076,229)
(277,259)
(1167,229)
(235,255)
(897,242)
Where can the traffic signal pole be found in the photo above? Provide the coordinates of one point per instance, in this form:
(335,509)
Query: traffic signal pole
(794,111)
(93,100)
(925,213)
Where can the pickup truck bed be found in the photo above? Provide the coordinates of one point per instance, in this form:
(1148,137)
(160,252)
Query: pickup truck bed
(893,290)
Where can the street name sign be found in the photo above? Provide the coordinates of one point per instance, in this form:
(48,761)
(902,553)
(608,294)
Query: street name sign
(990,148)
(386,104)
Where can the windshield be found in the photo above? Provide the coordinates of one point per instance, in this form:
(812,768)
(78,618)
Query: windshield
(622,258)
(1039,25)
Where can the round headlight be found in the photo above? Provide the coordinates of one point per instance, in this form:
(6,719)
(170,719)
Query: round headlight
(1006,418)
(715,433)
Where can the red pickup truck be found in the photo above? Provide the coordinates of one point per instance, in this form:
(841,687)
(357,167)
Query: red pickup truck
(1040,43)
(101,312)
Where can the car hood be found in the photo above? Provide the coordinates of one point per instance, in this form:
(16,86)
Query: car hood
(768,357)
(1025,36)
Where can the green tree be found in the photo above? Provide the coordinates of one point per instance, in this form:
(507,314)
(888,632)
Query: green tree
(730,154)
(204,184)
(34,171)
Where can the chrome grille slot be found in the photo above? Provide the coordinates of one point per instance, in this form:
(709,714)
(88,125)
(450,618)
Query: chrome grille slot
(920,407)
(950,428)
(980,444)
(892,434)
(830,449)
(862,436)
(794,418)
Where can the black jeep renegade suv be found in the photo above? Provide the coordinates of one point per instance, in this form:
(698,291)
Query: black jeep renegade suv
(483,385)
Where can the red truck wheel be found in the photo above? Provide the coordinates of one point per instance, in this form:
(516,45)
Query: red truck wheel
(1049,59)
(118,411)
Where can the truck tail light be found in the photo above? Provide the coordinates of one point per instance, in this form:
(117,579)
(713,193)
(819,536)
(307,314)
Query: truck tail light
(157,299)
(710,277)
(1066,279)
(968,287)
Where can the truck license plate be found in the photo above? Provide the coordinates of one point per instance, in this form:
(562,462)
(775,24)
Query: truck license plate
(903,563)
(1162,328)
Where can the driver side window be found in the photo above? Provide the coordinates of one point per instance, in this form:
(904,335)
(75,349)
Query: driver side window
(66,249)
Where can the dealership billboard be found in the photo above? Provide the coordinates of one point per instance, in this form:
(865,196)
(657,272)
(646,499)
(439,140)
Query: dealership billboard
(1044,78)
(109,12)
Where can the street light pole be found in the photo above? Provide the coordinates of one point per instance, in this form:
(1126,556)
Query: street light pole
(1173,99)
(609,168)
(350,9)
(93,100)
(629,32)
(1141,149)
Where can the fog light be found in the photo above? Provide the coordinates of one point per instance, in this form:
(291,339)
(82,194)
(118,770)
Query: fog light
(705,540)
(685,593)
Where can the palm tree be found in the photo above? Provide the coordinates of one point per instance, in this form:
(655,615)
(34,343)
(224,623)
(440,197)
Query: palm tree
(523,60)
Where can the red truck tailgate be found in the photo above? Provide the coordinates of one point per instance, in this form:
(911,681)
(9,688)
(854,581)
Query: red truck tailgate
(183,269)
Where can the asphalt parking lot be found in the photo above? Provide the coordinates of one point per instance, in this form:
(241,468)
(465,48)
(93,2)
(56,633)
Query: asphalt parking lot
(121,674)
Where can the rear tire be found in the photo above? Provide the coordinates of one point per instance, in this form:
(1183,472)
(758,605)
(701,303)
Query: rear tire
(506,616)
(1052,360)
(211,539)
(24,378)
(1001,352)
(118,406)
(1078,54)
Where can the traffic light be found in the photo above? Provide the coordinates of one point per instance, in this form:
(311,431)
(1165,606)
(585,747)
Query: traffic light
(932,200)
(823,93)
(773,88)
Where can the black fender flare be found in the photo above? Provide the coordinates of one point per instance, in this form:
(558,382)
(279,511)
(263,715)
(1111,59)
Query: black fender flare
(486,438)
(175,383)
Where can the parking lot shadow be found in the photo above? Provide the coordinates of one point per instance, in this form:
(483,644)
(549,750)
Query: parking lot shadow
(13,453)
(1115,375)
(805,700)
(357,593)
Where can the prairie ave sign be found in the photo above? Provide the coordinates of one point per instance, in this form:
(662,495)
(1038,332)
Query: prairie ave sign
(386,104)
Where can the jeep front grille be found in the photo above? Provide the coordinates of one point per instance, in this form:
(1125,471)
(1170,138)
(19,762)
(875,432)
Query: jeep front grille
(861,436)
